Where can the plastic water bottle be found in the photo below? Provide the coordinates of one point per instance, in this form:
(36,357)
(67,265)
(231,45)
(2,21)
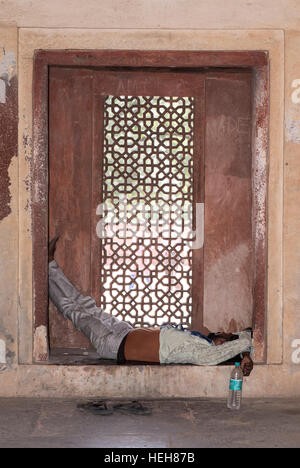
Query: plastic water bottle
(235,388)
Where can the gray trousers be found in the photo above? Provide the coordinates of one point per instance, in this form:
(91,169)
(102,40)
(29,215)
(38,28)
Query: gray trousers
(104,331)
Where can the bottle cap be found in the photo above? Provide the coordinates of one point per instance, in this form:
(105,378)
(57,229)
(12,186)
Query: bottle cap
(237,364)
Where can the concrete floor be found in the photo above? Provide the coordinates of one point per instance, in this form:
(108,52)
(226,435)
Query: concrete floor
(172,424)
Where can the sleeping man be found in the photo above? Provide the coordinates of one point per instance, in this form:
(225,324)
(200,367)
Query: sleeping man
(115,339)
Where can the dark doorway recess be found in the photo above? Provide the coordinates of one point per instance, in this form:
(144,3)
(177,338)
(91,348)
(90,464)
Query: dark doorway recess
(175,127)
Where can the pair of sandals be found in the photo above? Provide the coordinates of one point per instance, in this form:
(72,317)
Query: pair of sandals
(102,408)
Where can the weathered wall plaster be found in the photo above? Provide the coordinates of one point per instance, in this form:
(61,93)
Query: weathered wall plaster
(8,199)
(2,91)
(291,219)
(292,120)
(40,340)
(8,123)
(8,65)
(2,352)
(153,14)
(281,377)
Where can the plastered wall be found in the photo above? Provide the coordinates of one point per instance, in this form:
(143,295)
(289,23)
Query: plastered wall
(9,199)
(161,25)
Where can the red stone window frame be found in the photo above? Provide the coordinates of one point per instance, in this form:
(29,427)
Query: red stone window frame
(257,61)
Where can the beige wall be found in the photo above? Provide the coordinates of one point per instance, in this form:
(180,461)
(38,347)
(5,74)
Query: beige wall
(9,225)
(157,24)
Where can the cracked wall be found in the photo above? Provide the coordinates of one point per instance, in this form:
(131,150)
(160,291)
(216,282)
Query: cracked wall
(8,198)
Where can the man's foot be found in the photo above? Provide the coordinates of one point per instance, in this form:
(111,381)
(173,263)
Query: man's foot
(52,248)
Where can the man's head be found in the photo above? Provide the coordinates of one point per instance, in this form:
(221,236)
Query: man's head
(222,337)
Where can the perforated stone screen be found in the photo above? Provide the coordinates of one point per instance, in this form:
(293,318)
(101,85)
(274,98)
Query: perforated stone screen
(146,265)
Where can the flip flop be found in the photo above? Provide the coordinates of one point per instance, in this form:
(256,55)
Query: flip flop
(135,407)
(96,407)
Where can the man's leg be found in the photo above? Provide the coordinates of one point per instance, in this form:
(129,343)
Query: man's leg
(104,330)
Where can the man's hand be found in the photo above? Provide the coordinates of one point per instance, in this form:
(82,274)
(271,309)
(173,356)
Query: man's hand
(246,364)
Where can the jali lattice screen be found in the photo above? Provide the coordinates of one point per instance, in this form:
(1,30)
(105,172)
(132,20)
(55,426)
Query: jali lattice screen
(146,266)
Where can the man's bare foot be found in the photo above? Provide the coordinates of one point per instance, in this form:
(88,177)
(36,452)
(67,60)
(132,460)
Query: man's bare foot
(52,248)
